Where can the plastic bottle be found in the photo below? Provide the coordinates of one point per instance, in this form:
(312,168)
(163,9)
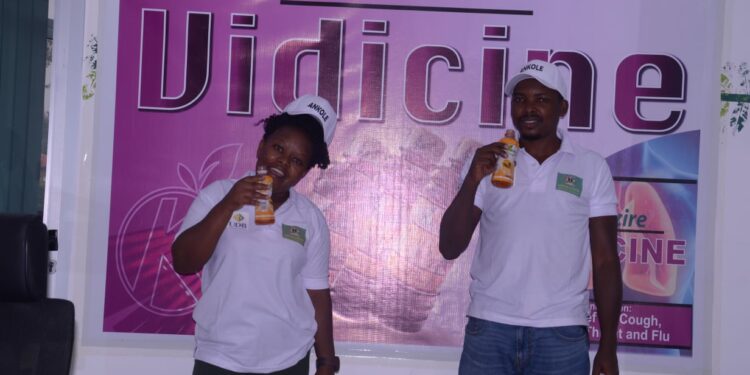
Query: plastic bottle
(264,209)
(505,167)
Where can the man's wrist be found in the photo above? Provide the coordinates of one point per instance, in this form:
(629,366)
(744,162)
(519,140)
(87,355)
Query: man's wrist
(470,185)
(332,362)
(608,342)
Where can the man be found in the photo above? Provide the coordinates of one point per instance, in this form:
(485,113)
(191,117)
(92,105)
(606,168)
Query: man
(537,242)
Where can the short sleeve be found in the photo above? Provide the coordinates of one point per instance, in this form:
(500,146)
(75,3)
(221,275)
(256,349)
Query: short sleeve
(603,198)
(315,270)
(203,203)
(478,200)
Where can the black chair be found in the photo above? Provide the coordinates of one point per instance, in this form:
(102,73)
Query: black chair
(36,332)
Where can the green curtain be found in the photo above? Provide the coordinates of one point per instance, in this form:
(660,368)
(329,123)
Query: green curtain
(23,39)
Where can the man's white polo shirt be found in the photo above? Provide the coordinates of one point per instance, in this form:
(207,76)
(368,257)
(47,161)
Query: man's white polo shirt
(533,260)
(255,314)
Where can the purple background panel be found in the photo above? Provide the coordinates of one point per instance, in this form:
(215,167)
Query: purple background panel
(651,325)
(413,104)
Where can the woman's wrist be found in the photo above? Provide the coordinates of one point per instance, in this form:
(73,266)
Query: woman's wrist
(332,362)
(226,207)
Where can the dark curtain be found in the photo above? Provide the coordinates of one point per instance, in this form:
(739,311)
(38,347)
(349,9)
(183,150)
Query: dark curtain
(23,40)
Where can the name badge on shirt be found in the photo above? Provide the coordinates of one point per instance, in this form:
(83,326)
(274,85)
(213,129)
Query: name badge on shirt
(570,184)
(294,233)
(239,220)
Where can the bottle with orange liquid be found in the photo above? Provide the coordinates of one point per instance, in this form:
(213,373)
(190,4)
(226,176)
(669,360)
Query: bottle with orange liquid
(505,167)
(264,209)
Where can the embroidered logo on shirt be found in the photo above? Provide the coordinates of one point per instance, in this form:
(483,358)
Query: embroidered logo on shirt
(294,233)
(570,184)
(238,220)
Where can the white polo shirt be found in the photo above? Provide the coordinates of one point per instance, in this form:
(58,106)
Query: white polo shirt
(532,264)
(255,314)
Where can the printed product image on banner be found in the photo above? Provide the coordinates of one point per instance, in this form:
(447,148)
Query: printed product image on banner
(656,185)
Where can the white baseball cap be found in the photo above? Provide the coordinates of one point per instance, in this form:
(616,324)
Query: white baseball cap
(318,108)
(546,73)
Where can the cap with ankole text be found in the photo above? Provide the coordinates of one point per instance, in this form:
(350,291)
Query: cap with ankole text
(318,108)
(546,73)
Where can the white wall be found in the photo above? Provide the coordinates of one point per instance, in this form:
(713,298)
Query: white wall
(731,300)
(75,159)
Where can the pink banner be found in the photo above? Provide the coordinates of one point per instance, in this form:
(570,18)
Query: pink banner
(418,87)
(664,326)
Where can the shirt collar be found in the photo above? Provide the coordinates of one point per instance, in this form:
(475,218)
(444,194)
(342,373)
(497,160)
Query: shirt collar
(567,144)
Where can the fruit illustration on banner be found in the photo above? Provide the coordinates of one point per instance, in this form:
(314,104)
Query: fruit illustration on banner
(142,245)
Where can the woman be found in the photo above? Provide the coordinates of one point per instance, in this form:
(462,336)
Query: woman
(265,289)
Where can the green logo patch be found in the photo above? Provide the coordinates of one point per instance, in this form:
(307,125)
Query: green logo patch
(294,233)
(570,184)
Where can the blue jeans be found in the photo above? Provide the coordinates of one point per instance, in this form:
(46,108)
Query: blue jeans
(501,349)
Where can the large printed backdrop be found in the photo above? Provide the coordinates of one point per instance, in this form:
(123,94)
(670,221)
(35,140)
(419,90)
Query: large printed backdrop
(418,87)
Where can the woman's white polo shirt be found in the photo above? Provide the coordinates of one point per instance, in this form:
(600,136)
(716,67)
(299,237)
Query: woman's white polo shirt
(255,314)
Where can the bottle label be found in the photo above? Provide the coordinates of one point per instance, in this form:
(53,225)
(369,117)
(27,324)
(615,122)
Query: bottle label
(510,151)
(264,207)
(506,165)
